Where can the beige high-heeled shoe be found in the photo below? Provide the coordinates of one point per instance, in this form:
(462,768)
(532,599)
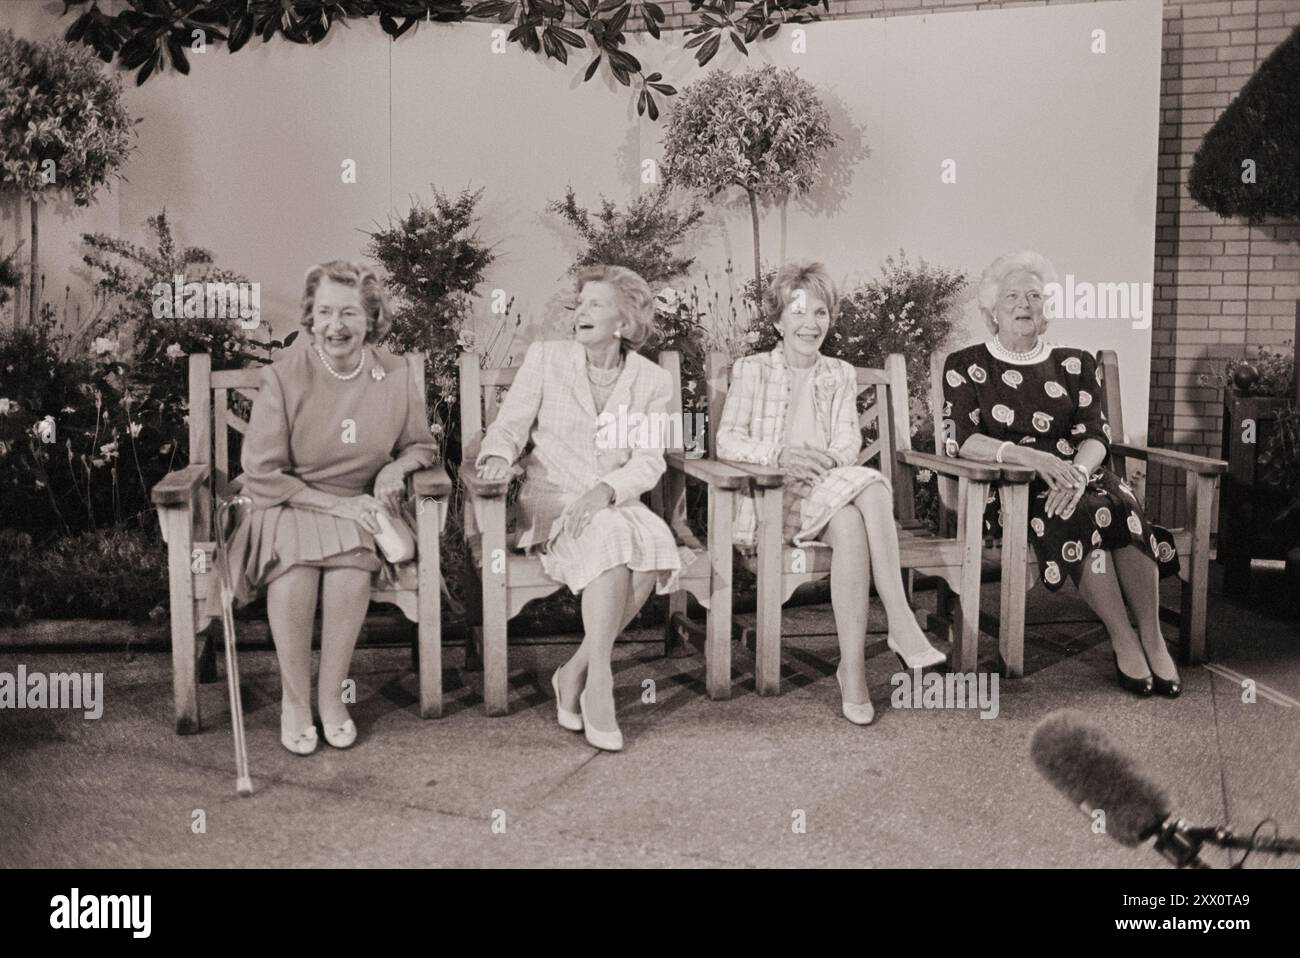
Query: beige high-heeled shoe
(570,720)
(609,741)
(922,660)
(861,713)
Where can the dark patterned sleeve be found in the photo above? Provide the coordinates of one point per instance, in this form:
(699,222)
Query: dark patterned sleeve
(1089,417)
(961,405)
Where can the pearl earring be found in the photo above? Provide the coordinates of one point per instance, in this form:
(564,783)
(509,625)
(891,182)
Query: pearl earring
(617,334)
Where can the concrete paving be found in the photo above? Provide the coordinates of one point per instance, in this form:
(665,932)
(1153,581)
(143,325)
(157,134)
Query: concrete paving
(751,781)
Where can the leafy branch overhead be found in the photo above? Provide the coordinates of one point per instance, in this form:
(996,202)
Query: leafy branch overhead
(150,35)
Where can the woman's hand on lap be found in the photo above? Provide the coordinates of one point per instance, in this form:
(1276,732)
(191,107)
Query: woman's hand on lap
(390,485)
(493,468)
(1058,473)
(578,514)
(809,464)
(361,510)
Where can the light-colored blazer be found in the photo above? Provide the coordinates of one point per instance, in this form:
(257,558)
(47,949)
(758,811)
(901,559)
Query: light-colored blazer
(550,403)
(753,420)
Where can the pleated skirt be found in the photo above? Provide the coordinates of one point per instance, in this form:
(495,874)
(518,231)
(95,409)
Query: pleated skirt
(269,542)
(629,535)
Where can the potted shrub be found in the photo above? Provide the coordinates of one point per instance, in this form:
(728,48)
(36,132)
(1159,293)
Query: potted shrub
(1254,503)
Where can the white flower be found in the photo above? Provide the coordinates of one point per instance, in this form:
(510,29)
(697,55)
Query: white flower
(7,405)
(103,346)
(377,373)
(466,339)
(135,430)
(751,336)
(925,475)
(174,351)
(109,449)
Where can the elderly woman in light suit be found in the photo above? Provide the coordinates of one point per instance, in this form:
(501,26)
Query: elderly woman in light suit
(579,506)
(337,424)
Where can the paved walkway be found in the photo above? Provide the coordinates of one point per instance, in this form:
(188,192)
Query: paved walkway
(701,783)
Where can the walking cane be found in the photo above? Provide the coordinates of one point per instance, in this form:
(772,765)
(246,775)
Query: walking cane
(243,783)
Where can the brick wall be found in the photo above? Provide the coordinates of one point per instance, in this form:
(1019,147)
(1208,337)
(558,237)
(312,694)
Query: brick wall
(1221,288)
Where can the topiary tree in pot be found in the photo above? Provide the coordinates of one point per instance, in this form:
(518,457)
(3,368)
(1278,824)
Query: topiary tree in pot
(764,131)
(63,129)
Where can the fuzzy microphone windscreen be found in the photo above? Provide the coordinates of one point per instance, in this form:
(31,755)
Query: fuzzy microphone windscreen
(1085,766)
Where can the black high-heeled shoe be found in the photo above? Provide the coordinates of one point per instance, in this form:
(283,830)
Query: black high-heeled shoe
(1140,687)
(1169,688)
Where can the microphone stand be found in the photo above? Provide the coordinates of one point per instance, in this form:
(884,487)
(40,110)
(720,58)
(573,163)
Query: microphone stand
(1180,843)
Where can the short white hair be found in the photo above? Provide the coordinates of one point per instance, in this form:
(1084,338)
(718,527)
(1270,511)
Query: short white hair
(1025,260)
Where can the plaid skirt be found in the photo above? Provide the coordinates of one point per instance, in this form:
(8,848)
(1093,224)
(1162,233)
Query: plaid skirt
(809,505)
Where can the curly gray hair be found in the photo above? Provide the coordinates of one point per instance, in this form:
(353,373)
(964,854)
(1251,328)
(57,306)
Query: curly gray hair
(996,272)
(373,300)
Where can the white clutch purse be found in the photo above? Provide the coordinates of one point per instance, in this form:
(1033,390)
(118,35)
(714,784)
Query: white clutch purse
(394,540)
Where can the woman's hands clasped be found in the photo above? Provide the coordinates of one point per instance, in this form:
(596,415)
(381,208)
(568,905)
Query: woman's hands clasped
(1065,483)
(803,463)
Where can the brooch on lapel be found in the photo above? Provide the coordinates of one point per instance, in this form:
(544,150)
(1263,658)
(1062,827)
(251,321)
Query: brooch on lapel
(377,374)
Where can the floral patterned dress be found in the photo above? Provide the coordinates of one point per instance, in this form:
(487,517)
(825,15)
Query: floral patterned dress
(1051,402)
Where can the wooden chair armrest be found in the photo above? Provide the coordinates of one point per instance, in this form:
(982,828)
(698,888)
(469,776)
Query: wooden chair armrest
(717,474)
(432,481)
(763,477)
(964,468)
(1201,465)
(478,488)
(177,487)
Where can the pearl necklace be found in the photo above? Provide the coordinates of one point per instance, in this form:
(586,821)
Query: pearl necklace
(1029,356)
(603,377)
(338,375)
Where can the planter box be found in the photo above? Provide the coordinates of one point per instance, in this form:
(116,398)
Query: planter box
(1248,527)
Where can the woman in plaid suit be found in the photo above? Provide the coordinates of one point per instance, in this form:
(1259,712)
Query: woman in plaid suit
(579,505)
(797,409)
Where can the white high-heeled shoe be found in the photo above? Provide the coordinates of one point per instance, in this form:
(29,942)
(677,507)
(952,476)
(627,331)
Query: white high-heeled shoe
(570,720)
(300,743)
(923,660)
(609,741)
(859,714)
(340,736)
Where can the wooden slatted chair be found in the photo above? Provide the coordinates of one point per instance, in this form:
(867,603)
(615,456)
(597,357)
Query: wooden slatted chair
(954,558)
(509,579)
(1192,541)
(186,502)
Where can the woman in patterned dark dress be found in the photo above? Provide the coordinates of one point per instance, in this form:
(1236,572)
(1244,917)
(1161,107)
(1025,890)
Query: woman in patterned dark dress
(1019,399)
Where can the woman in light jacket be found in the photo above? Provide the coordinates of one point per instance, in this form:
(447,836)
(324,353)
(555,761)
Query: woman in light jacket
(579,506)
(796,409)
